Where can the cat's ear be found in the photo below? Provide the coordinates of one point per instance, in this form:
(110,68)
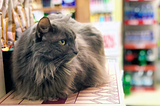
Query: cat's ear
(43,26)
(67,17)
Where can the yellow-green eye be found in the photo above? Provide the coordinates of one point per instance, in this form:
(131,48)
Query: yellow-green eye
(62,42)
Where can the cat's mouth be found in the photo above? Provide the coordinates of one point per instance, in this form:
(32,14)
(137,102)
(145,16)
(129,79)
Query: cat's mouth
(65,59)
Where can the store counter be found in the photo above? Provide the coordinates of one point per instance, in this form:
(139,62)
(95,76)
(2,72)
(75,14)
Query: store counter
(110,94)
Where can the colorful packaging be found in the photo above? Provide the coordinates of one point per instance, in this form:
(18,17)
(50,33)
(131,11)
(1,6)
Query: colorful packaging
(4,30)
(18,24)
(1,2)
(55,2)
(5,8)
(21,13)
(28,12)
(4,21)
(1,32)
(10,24)
(13,20)
(46,3)
(68,2)
(1,24)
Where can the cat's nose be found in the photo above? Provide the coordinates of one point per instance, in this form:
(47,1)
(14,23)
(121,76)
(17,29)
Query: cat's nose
(75,51)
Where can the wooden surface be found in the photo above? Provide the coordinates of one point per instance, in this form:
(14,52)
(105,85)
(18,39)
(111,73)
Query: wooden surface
(109,94)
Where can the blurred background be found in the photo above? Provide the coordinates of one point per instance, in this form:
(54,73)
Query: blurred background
(131,34)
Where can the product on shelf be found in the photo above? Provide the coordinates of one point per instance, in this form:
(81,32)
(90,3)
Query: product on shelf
(46,3)
(150,55)
(68,2)
(147,78)
(101,17)
(52,7)
(101,10)
(139,14)
(101,6)
(129,56)
(158,52)
(58,3)
(127,83)
(159,33)
(139,11)
(139,57)
(141,78)
(137,79)
(142,57)
(143,36)
(55,3)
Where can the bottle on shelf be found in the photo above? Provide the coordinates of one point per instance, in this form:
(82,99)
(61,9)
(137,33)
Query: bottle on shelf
(139,37)
(129,57)
(127,83)
(56,3)
(136,78)
(139,11)
(142,79)
(147,78)
(142,57)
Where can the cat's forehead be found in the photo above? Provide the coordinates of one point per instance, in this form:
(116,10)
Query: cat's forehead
(64,30)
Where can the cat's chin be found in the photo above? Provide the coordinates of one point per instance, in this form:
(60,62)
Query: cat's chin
(70,60)
(65,62)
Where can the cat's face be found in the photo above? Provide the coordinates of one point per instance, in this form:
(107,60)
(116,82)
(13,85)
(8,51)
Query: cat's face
(55,41)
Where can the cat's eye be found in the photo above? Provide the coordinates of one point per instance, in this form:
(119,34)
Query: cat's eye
(62,42)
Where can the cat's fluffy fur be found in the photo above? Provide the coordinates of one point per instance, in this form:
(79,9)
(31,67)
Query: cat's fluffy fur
(38,74)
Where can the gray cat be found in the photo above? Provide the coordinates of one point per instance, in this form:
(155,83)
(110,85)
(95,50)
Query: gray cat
(56,57)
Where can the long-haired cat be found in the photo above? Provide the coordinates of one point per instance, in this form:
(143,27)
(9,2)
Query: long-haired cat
(56,57)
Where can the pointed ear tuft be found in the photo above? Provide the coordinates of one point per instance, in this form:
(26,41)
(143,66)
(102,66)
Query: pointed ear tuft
(43,26)
(67,17)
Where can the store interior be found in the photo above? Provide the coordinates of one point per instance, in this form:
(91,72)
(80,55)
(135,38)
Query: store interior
(131,34)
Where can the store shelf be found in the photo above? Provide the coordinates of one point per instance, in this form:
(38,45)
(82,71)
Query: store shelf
(140,46)
(140,33)
(139,0)
(142,88)
(140,22)
(48,9)
(139,68)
